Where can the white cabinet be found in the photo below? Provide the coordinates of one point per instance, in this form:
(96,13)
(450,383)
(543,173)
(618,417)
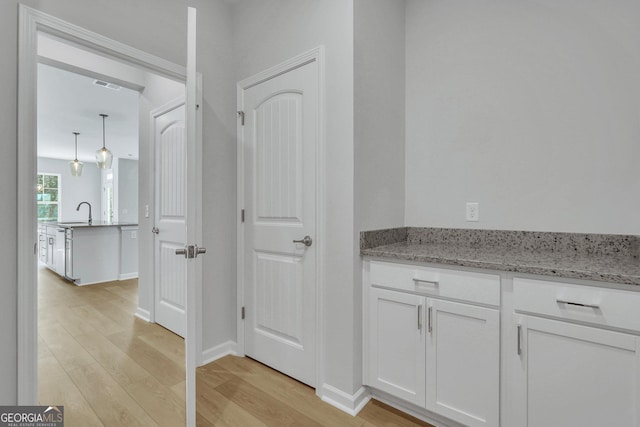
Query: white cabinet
(575,376)
(463,362)
(51,247)
(42,243)
(425,346)
(574,371)
(396,345)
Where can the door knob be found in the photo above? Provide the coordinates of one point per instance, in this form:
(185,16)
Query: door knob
(191,251)
(306,240)
(155,230)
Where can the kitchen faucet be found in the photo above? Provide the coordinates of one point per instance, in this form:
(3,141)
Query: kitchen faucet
(88,204)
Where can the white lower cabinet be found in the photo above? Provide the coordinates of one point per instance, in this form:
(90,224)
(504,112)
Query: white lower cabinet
(463,362)
(576,358)
(440,355)
(397,344)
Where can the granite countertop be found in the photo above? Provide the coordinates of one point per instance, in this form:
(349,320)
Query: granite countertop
(81,224)
(600,257)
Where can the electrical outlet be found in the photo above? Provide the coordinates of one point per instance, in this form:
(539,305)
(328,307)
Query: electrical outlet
(473,211)
(146,211)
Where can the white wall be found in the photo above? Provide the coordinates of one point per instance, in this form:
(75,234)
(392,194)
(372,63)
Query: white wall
(155,26)
(379,113)
(215,62)
(530,109)
(379,101)
(267,32)
(127,193)
(75,189)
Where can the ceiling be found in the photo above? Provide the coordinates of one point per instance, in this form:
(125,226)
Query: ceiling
(69,102)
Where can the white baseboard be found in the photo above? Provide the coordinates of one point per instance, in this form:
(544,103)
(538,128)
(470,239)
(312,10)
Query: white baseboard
(128,276)
(349,403)
(214,353)
(143,314)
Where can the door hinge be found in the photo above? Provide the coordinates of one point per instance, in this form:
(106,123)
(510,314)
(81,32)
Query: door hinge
(241,115)
(242,215)
(242,313)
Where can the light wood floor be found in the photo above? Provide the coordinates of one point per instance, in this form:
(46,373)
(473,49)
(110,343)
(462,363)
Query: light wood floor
(109,368)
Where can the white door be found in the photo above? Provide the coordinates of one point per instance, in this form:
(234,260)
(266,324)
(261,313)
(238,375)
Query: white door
(396,344)
(170,216)
(576,376)
(463,362)
(280,140)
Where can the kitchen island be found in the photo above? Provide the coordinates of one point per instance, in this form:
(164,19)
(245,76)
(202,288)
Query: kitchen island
(90,253)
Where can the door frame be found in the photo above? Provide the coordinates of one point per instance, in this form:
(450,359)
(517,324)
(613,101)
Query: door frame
(31,22)
(314,55)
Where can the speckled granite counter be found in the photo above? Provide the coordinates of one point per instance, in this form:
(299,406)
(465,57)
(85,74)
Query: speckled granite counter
(600,257)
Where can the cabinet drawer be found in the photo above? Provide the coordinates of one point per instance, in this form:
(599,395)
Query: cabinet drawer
(592,304)
(461,285)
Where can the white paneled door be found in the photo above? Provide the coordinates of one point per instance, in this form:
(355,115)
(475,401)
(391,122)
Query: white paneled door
(280,139)
(170,216)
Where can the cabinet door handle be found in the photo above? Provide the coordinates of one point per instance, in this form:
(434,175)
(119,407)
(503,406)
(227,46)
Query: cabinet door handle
(420,318)
(519,340)
(429,313)
(562,301)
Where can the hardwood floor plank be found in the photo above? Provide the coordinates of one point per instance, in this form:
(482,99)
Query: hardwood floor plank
(117,363)
(377,414)
(267,409)
(168,343)
(167,371)
(56,388)
(98,321)
(113,405)
(218,410)
(65,348)
(291,392)
(159,401)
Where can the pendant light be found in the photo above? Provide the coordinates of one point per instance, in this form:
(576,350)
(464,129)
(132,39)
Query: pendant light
(104,157)
(76,166)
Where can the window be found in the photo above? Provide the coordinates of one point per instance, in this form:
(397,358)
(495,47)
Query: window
(48,195)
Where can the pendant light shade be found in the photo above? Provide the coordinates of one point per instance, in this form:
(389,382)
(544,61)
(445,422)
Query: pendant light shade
(76,166)
(104,157)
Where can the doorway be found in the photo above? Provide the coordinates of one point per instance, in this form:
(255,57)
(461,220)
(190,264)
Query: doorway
(31,23)
(71,94)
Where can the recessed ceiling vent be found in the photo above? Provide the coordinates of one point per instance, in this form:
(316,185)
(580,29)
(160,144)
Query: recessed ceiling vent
(106,84)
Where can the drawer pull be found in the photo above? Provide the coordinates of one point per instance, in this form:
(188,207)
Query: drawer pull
(420,318)
(429,319)
(428,282)
(579,304)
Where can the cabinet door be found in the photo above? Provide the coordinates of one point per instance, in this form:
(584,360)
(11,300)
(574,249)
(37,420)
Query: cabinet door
(463,362)
(51,244)
(576,376)
(396,344)
(42,249)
